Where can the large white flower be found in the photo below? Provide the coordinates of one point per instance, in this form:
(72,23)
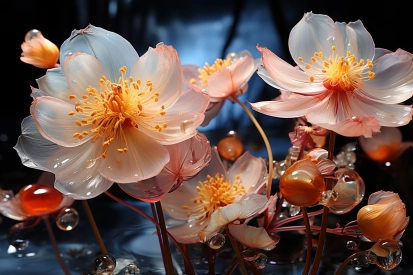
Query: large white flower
(218,196)
(106,114)
(344,84)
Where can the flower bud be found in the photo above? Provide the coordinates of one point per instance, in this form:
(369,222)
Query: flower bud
(383,218)
(39,51)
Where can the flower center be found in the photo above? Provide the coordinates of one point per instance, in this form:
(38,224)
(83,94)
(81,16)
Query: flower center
(208,70)
(341,74)
(215,192)
(115,106)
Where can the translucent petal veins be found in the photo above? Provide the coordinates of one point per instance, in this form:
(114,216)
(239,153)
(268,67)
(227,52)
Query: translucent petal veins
(112,106)
(341,74)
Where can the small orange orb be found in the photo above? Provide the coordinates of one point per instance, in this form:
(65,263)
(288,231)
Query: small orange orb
(302,184)
(40,199)
(230,148)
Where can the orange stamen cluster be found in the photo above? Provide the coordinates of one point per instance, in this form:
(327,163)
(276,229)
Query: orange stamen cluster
(208,70)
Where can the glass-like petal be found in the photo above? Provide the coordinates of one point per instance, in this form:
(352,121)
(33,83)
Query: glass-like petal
(252,237)
(144,158)
(190,101)
(355,127)
(111,49)
(188,232)
(83,189)
(357,40)
(54,84)
(51,116)
(314,33)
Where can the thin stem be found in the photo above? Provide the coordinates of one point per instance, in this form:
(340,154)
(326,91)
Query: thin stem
(168,254)
(188,267)
(211,260)
(343,264)
(326,210)
(146,216)
(158,231)
(239,255)
(54,244)
(94,227)
(308,239)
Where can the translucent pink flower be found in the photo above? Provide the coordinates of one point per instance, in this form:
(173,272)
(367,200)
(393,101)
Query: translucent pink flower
(203,206)
(187,159)
(106,115)
(345,84)
(222,80)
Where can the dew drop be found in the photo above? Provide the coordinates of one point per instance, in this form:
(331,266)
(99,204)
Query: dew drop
(6,195)
(30,35)
(294,210)
(131,269)
(386,254)
(217,241)
(67,54)
(261,261)
(233,56)
(249,255)
(17,236)
(104,264)
(360,262)
(67,219)
(90,163)
(352,245)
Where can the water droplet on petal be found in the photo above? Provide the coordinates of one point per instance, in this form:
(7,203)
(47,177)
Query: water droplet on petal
(67,219)
(360,262)
(261,261)
(188,126)
(30,34)
(352,245)
(131,269)
(217,241)
(67,54)
(249,255)
(233,56)
(90,163)
(17,236)
(386,254)
(104,264)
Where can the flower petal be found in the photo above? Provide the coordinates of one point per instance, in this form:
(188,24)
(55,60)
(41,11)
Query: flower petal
(355,126)
(144,158)
(51,116)
(252,237)
(314,33)
(54,84)
(188,232)
(111,49)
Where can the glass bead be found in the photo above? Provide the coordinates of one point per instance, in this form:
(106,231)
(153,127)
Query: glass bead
(131,269)
(347,192)
(230,148)
(233,56)
(40,199)
(104,264)
(279,169)
(30,34)
(386,254)
(294,210)
(261,261)
(249,255)
(302,184)
(217,241)
(352,245)
(17,236)
(67,219)
(360,262)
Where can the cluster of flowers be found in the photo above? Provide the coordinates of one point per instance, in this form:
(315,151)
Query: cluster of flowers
(104,115)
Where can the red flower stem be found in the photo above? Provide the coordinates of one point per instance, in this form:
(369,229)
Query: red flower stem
(355,255)
(326,210)
(168,254)
(185,254)
(239,255)
(298,217)
(158,231)
(54,244)
(94,227)
(211,261)
(308,239)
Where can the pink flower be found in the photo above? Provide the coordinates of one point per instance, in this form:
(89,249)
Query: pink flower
(188,158)
(345,84)
(222,80)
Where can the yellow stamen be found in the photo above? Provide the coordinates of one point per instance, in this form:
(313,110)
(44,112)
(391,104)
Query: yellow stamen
(208,70)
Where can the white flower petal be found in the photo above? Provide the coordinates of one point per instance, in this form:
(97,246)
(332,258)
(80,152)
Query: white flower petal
(190,101)
(357,40)
(314,33)
(252,237)
(54,84)
(85,189)
(51,116)
(144,158)
(188,232)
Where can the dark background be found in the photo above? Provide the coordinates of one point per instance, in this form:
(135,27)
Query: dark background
(201,31)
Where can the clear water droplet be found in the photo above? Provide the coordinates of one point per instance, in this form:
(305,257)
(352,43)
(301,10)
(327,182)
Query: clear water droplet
(104,264)
(352,245)
(294,210)
(249,255)
(90,163)
(187,126)
(67,54)
(6,195)
(217,241)
(279,169)
(360,262)
(17,236)
(233,56)
(67,219)
(386,254)
(131,269)
(30,34)
(261,261)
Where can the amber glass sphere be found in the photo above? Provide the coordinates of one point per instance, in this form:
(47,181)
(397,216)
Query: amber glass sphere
(302,184)
(40,199)
(230,148)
